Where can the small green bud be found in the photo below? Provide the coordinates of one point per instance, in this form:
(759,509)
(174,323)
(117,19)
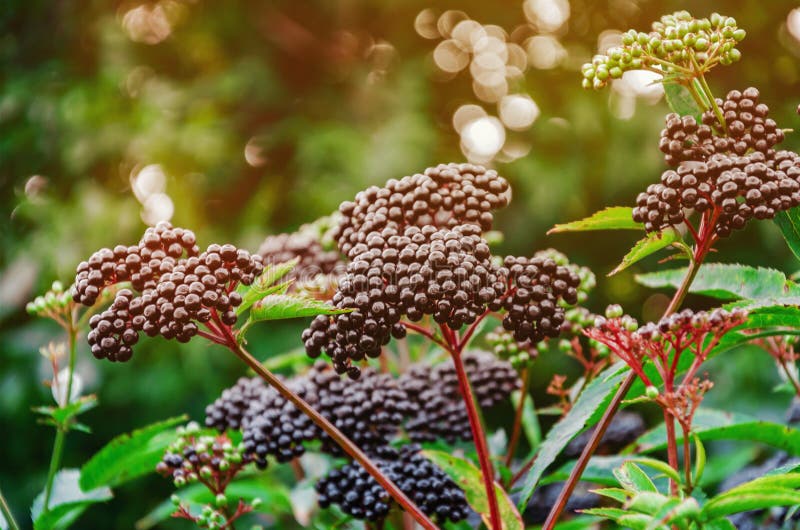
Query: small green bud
(221,500)
(627,39)
(255,503)
(651,392)
(201,520)
(207,510)
(602,73)
(224,464)
(175,500)
(734,55)
(701,44)
(739,35)
(615,72)
(206,472)
(179,482)
(614,311)
(564,346)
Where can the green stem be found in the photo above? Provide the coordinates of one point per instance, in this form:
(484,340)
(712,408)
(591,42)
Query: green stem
(6,511)
(61,431)
(523,393)
(712,102)
(790,376)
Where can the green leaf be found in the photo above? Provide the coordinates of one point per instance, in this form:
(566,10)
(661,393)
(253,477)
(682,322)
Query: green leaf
(586,411)
(700,460)
(530,421)
(680,100)
(67,501)
(282,306)
(273,494)
(789,223)
(632,478)
(612,218)
(618,494)
(719,524)
(129,456)
(658,465)
(750,499)
(609,513)
(265,284)
(766,320)
(468,478)
(710,424)
(62,416)
(786,480)
(724,281)
(652,242)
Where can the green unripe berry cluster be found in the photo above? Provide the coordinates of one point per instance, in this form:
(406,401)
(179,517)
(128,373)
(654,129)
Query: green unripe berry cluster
(677,43)
(504,346)
(57,299)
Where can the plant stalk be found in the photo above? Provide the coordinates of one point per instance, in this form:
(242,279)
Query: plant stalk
(687,461)
(610,412)
(479,438)
(672,449)
(345,443)
(61,432)
(515,433)
(6,511)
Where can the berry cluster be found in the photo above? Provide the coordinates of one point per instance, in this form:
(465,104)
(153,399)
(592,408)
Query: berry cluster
(504,346)
(747,127)
(361,497)
(444,196)
(532,303)
(312,258)
(736,176)
(369,411)
(445,273)
(677,43)
(175,293)
(442,413)
(195,456)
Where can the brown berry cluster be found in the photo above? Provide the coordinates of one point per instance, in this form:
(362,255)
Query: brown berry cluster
(196,456)
(734,174)
(157,252)
(442,413)
(360,496)
(444,196)
(174,293)
(312,258)
(369,411)
(532,304)
(445,273)
(748,128)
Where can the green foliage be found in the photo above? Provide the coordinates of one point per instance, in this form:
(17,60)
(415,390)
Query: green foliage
(651,243)
(611,218)
(720,425)
(67,502)
(725,281)
(468,477)
(129,456)
(65,417)
(789,223)
(585,412)
(282,306)
(680,100)
(265,285)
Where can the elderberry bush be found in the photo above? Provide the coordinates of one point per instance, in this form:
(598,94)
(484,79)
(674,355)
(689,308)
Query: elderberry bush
(360,496)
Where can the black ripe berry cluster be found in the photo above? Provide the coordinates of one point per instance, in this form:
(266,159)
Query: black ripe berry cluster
(312,258)
(415,249)
(734,173)
(360,496)
(170,293)
(369,411)
(532,304)
(441,410)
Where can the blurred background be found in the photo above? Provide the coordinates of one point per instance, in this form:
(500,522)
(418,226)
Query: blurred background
(247,118)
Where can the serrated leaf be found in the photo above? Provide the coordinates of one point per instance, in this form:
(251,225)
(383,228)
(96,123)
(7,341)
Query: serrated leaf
(129,456)
(659,466)
(273,494)
(710,424)
(586,411)
(651,243)
(67,501)
(468,478)
(789,223)
(611,218)
(786,480)
(680,101)
(766,320)
(283,306)
(632,478)
(724,281)
(265,284)
(609,513)
(751,499)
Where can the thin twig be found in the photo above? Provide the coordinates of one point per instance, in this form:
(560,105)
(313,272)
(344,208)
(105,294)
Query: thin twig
(6,511)
(515,433)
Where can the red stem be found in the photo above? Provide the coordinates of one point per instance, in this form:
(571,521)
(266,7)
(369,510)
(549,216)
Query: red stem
(672,449)
(479,439)
(425,332)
